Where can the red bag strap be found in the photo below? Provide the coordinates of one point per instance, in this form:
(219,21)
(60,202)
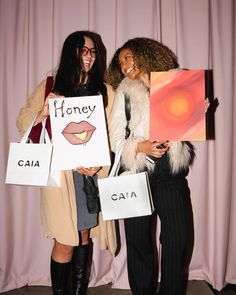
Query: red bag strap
(49,86)
(36,130)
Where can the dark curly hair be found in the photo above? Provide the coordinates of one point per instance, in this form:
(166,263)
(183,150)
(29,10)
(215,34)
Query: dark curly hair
(149,55)
(69,73)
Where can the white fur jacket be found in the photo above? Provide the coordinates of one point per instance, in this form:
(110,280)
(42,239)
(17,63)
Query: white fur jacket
(180,153)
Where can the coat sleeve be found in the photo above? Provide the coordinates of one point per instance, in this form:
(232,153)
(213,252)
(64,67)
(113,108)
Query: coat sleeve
(130,159)
(34,104)
(117,122)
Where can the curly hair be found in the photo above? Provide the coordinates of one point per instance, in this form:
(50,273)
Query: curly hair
(70,71)
(149,56)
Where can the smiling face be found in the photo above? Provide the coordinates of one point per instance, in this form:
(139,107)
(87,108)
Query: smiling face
(88,54)
(129,67)
(127,64)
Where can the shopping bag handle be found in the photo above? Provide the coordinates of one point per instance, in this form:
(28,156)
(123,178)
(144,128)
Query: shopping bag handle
(116,165)
(44,137)
(25,137)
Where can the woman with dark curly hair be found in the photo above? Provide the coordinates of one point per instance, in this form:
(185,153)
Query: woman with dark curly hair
(166,162)
(64,213)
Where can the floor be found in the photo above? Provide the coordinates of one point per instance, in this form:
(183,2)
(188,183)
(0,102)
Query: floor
(194,288)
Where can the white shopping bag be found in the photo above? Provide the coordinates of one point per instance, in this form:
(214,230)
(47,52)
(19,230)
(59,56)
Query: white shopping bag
(125,196)
(28,163)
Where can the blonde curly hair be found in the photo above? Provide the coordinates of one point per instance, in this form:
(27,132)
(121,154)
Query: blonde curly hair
(149,56)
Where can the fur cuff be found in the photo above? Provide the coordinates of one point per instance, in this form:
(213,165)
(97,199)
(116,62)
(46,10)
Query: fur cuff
(131,160)
(181,155)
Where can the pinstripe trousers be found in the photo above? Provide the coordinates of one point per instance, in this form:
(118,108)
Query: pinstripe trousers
(169,198)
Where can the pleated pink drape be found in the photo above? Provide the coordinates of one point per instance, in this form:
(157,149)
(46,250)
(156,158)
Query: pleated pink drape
(202,33)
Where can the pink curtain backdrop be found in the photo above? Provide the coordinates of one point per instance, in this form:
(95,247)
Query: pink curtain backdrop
(202,33)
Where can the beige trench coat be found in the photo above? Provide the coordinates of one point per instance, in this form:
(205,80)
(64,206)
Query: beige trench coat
(58,205)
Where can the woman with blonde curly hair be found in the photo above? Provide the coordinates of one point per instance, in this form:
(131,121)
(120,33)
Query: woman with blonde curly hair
(167,164)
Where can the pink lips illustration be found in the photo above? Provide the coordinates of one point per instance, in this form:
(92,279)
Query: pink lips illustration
(78,133)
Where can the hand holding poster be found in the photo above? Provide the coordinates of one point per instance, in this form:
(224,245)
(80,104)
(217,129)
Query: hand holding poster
(79,134)
(177,105)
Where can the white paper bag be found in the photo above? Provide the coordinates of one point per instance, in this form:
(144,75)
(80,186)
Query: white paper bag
(28,163)
(124,196)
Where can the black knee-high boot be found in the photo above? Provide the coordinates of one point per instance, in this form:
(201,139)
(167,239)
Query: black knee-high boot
(60,273)
(79,270)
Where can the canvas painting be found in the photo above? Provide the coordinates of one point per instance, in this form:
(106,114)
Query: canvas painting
(177,105)
(79,133)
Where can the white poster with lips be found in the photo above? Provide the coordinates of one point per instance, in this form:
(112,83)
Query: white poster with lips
(79,134)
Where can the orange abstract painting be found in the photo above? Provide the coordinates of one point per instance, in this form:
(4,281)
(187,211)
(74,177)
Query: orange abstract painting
(177,105)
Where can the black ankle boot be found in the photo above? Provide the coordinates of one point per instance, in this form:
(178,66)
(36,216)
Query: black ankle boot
(60,273)
(79,270)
